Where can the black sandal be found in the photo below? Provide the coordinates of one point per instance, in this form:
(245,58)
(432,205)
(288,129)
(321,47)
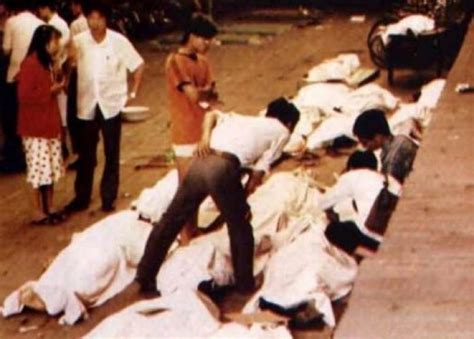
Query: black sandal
(48,220)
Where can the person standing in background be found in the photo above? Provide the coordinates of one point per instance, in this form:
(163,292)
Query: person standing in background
(17,37)
(47,12)
(103,59)
(78,26)
(191,89)
(39,121)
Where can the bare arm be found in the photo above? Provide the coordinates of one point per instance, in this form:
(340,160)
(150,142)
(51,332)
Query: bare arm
(210,120)
(137,78)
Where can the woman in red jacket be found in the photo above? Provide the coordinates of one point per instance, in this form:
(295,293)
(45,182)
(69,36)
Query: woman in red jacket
(39,121)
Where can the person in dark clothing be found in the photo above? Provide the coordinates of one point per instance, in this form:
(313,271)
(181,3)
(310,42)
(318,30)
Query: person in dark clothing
(398,151)
(235,142)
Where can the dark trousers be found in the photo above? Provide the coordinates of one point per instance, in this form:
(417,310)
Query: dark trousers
(347,236)
(13,149)
(73,123)
(89,138)
(218,177)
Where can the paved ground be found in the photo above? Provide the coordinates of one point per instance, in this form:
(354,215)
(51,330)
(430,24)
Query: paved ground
(420,285)
(248,78)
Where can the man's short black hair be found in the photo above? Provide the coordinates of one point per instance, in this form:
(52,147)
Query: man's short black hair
(20,5)
(101,7)
(200,25)
(362,159)
(51,4)
(371,123)
(284,111)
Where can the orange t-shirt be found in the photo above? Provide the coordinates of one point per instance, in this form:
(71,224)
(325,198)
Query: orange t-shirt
(186,117)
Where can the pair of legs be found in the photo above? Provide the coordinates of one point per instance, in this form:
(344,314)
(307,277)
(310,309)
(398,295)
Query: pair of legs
(89,139)
(190,229)
(218,177)
(43,197)
(347,236)
(14,158)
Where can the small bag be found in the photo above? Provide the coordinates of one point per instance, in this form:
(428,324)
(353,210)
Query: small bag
(381,210)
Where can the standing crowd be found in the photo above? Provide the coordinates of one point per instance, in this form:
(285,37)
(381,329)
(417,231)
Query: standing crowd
(65,80)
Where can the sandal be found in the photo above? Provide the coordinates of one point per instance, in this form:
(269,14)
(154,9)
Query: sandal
(58,217)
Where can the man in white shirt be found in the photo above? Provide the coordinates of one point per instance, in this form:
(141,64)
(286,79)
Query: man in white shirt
(17,37)
(229,144)
(103,58)
(362,184)
(78,26)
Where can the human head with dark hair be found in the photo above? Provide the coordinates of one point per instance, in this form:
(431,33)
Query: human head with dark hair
(371,128)
(45,9)
(97,14)
(77,7)
(199,33)
(284,111)
(45,43)
(361,159)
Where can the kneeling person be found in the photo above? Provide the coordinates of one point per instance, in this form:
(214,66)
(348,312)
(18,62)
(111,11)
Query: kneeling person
(230,143)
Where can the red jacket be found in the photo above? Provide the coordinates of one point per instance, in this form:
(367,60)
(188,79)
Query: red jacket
(38,114)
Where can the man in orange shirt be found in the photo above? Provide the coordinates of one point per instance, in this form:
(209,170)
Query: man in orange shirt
(191,92)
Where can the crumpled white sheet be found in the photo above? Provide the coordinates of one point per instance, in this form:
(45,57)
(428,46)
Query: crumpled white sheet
(165,316)
(97,264)
(307,269)
(346,111)
(417,23)
(338,68)
(179,315)
(405,119)
(206,257)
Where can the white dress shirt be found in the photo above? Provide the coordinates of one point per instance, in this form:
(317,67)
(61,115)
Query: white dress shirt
(57,22)
(361,185)
(19,31)
(256,141)
(102,73)
(79,25)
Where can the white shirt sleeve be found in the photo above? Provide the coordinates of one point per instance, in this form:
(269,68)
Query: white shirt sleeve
(339,192)
(272,154)
(7,37)
(131,58)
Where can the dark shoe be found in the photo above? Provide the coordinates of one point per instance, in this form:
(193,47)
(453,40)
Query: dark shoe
(76,206)
(148,290)
(47,220)
(214,291)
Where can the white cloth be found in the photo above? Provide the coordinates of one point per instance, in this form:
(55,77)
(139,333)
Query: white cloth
(256,141)
(361,185)
(19,30)
(79,25)
(408,116)
(164,317)
(179,315)
(307,269)
(344,111)
(415,23)
(98,263)
(338,68)
(184,150)
(102,73)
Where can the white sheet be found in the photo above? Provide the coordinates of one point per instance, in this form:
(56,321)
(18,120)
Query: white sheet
(416,23)
(98,263)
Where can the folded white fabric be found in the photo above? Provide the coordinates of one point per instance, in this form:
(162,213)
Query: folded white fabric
(338,68)
(179,315)
(307,269)
(97,264)
(417,24)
